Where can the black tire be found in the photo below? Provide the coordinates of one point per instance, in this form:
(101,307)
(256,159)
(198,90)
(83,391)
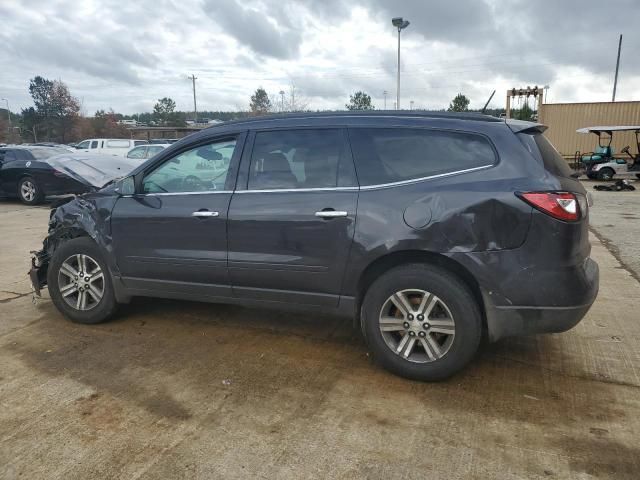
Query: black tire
(453,292)
(606,174)
(107,305)
(30,199)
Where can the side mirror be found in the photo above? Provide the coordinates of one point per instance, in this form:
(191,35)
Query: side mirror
(126,186)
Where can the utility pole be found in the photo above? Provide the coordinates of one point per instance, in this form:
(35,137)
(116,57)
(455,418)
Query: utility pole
(411,105)
(281,101)
(9,128)
(195,108)
(615,81)
(385,93)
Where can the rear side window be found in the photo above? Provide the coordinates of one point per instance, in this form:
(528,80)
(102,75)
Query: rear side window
(544,151)
(140,142)
(388,155)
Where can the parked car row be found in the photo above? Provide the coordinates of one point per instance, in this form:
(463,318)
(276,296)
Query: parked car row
(33,173)
(432,230)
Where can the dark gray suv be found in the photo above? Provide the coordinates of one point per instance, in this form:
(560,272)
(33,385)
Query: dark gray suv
(430,229)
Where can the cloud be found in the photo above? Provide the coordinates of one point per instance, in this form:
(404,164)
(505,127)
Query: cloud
(125,55)
(255,28)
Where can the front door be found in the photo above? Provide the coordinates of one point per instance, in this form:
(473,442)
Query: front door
(291,227)
(172,236)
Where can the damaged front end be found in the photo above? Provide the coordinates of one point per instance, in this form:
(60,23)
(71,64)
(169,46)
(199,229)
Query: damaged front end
(85,215)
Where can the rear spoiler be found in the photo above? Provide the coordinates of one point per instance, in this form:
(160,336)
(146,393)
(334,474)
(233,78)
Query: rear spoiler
(520,126)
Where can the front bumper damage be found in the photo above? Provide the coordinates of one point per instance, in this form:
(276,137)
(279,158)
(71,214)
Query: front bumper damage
(38,270)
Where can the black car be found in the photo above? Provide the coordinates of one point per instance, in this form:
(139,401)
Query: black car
(32,173)
(430,230)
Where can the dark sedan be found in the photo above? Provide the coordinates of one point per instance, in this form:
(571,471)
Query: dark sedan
(33,173)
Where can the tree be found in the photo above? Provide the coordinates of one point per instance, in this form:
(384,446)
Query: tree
(105,124)
(524,113)
(296,102)
(55,108)
(30,122)
(260,103)
(163,110)
(459,104)
(359,101)
(64,109)
(41,90)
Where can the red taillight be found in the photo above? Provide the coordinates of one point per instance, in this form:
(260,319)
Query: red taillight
(560,205)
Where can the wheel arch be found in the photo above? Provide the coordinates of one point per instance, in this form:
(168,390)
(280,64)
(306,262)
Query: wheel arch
(404,257)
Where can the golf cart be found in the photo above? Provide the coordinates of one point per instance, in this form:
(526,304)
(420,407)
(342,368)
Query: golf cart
(602,164)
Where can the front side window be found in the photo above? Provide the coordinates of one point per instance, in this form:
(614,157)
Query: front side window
(138,152)
(201,169)
(388,155)
(294,159)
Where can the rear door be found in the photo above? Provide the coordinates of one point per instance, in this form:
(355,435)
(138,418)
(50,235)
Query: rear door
(292,223)
(172,236)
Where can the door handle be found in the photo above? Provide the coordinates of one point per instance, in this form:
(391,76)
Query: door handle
(331,214)
(204,213)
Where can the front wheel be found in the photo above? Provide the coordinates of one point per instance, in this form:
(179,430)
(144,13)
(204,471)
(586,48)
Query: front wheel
(606,174)
(79,282)
(421,322)
(29,191)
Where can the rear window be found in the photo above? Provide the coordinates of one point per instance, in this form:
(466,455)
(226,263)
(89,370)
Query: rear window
(388,155)
(544,151)
(42,153)
(118,143)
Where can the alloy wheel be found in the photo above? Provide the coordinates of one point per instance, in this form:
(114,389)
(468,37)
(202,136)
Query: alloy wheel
(417,325)
(28,190)
(81,282)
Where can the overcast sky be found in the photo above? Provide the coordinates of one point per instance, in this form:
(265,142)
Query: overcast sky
(126,54)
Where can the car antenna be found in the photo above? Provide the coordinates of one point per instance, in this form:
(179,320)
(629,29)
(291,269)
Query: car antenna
(487,104)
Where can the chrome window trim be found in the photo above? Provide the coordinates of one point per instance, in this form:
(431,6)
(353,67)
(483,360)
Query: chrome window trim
(317,189)
(421,179)
(171,194)
(324,189)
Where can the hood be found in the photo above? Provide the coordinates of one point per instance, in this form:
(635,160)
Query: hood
(93,169)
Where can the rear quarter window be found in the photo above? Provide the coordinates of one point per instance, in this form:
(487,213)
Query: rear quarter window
(543,151)
(389,155)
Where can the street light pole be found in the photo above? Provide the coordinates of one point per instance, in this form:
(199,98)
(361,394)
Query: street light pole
(385,99)
(400,24)
(281,101)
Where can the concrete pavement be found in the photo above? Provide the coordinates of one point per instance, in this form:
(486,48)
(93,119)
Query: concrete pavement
(185,390)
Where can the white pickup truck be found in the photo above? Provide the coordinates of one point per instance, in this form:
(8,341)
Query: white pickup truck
(109,146)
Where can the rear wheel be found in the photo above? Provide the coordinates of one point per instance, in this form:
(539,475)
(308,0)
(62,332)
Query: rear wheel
(79,282)
(421,322)
(606,173)
(29,191)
